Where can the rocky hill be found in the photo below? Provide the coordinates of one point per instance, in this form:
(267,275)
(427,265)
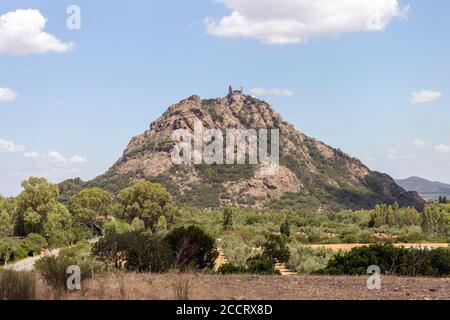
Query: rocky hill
(311,174)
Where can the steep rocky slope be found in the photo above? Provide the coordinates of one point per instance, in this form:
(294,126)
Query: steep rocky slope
(312,174)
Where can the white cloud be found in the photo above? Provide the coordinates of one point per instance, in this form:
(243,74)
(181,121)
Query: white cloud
(442,148)
(400,157)
(43,159)
(8,146)
(78,159)
(57,157)
(295,21)
(31,154)
(258,92)
(21,32)
(7,95)
(420,144)
(424,96)
(393,154)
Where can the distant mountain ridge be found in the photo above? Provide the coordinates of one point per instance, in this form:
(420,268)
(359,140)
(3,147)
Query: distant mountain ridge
(424,187)
(311,174)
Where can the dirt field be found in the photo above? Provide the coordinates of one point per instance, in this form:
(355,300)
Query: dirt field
(200,287)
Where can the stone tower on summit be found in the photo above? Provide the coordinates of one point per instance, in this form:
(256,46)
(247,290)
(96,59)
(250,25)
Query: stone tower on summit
(231,91)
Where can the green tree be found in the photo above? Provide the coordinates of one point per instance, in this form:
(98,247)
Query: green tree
(7,216)
(38,206)
(428,222)
(58,219)
(135,251)
(192,247)
(228,213)
(377,216)
(408,217)
(88,205)
(275,248)
(148,202)
(6,227)
(435,220)
(285,229)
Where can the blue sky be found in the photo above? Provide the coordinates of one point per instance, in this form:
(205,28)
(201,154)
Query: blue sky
(71,111)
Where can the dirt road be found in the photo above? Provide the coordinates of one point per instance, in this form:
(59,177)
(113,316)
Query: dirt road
(28,263)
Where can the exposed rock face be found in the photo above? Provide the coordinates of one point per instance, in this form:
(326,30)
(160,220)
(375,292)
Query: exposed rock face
(312,174)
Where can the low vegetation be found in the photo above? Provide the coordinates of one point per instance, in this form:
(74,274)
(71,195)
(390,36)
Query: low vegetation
(391,260)
(143,230)
(254,265)
(140,251)
(54,269)
(304,260)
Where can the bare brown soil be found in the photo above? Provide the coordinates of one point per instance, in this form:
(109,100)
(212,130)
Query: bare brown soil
(200,287)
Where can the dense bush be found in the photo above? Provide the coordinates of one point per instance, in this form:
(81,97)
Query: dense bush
(39,240)
(135,251)
(285,228)
(143,252)
(275,248)
(306,260)
(17,285)
(61,238)
(13,249)
(228,213)
(54,269)
(261,265)
(230,268)
(117,226)
(391,260)
(192,247)
(236,250)
(255,265)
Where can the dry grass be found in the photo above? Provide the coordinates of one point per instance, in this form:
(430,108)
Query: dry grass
(17,285)
(349,246)
(175,286)
(181,290)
